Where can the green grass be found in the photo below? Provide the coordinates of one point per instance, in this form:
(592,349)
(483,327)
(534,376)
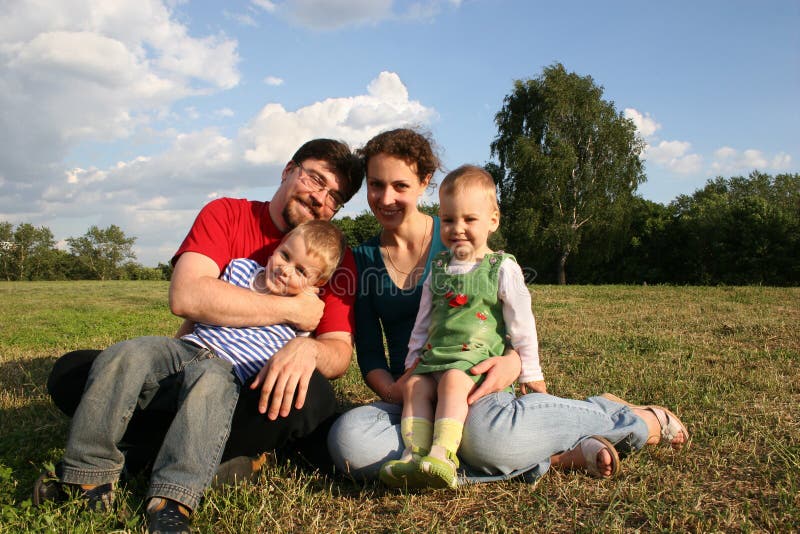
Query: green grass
(726,359)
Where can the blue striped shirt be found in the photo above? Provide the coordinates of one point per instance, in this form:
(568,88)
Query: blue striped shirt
(247,348)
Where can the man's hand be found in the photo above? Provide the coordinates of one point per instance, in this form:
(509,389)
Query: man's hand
(500,371)
(537,386)
(286,373)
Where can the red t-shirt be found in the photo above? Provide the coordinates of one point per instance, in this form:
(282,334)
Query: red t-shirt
(229,228)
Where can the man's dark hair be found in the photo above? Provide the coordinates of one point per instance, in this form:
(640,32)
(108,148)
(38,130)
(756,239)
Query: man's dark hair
(347,166)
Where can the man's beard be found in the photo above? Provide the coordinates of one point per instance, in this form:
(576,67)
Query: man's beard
(294,215)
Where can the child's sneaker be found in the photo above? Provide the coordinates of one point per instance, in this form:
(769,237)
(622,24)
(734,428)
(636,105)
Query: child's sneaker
(165,516)
(48,487)
(438,473)
(400,474)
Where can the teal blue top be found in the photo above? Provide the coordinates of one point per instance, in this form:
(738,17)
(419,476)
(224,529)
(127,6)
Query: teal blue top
(382,308)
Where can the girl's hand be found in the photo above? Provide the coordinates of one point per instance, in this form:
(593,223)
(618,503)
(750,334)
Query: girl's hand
(537,386)
(500,371)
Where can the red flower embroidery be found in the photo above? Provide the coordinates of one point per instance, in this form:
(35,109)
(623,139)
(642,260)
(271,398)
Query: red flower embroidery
(481,316)
(464,347)
(458,300)
(429,346)
(448,294)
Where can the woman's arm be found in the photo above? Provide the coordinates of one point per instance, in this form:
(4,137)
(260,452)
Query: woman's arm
(386,387)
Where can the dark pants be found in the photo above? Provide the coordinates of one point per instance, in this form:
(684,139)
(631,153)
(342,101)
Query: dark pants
(304,430)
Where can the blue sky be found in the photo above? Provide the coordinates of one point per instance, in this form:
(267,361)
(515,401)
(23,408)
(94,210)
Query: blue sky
(137,112)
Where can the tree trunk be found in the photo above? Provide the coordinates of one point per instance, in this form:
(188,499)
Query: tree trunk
(562,266)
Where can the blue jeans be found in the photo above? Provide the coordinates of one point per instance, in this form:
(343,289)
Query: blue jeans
(504,436)
(129,375)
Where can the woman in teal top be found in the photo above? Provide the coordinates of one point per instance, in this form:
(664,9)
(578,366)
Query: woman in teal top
(536,430)
(381,302)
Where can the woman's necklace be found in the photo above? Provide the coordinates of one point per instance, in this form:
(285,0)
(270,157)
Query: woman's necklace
(419,256)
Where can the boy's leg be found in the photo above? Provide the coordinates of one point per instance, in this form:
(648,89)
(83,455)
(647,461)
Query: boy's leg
(193,445)
(147,426)
(122,377)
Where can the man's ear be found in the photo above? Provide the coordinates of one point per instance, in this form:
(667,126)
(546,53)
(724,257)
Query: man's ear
(285,173)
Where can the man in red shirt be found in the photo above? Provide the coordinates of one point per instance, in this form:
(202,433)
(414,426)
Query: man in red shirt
(293,395)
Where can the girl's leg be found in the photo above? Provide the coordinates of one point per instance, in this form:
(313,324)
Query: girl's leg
(416,427)
(451,411)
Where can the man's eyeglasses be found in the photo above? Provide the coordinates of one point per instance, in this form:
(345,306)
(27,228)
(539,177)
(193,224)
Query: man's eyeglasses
(316,183)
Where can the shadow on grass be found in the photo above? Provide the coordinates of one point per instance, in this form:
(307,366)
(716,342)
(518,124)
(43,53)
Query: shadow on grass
(32,429)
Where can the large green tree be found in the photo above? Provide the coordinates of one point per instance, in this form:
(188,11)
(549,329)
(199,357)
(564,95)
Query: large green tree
(568,160)
(103,251)
(25,251)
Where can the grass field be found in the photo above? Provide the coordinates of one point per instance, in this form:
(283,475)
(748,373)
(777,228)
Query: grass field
(727,359)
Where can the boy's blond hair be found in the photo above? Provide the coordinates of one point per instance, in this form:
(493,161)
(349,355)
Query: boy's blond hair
(468,177)
(323,241)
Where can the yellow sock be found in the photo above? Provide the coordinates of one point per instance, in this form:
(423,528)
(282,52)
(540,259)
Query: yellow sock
(447,434)
(417,433)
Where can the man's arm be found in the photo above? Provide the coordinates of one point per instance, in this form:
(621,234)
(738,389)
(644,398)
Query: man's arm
(196,293)
(289,370)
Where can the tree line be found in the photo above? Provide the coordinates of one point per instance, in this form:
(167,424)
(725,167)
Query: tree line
(735,231)
(28,252)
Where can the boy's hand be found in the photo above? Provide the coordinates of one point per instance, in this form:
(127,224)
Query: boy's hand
(307,310)
(537,386)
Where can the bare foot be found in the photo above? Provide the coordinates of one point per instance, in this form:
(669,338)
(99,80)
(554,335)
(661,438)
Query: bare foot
(604,463)
(662,424)
(671,429)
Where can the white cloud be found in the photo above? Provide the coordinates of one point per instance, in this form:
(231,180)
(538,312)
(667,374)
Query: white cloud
(336,14)
(242,18)
(266,5)
(675,156)
(729,161)
(333,14)
(274,133)
(273,80)
(224,112)
(156,197)
(646,125)
(72,71)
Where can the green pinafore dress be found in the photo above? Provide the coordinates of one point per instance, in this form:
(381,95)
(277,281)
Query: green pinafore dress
(466,318)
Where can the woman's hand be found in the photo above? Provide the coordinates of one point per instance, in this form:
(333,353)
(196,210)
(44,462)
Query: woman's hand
(537,386)
(500,371)
(396,390)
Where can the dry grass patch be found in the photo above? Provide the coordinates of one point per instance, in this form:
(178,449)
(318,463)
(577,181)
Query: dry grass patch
(726,359)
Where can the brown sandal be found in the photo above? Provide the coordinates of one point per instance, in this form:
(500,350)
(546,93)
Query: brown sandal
(670,425)
(590,447)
